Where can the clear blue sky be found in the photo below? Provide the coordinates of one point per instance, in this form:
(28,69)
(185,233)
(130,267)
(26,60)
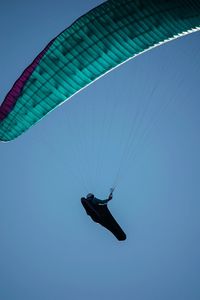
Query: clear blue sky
(49,248)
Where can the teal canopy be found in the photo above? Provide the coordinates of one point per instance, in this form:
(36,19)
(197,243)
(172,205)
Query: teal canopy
(96,43)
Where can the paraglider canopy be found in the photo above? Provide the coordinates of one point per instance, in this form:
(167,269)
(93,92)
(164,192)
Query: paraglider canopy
(99,41)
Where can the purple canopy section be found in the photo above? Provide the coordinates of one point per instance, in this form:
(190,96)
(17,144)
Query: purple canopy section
(14,93)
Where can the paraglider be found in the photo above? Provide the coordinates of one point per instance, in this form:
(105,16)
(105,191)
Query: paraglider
(99,41)
(98,211)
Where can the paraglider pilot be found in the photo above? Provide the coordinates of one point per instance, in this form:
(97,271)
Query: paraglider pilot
(97,209)
(90,198)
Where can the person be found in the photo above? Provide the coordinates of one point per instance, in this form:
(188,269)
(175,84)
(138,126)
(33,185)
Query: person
(91,198)
(98,211)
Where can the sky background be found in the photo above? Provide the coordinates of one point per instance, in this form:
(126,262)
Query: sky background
(138,128)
